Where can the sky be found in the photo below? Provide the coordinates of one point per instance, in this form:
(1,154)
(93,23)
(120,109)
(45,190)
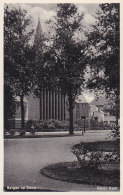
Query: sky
(47,11)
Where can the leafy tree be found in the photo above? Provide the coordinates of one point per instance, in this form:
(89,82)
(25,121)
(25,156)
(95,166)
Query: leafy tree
(67,57)
(104,49)
(17,54)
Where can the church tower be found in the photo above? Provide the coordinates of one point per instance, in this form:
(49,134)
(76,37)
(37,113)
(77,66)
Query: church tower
(52,103)
(38,40)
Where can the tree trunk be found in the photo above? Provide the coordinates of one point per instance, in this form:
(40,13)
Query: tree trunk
(22,111)
(71,129)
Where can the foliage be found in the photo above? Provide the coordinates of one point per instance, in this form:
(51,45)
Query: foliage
(16,48)
(87,155)
(48,125)
(17,53)
(105,39)
(94,154)
(115,133)
(68,56)
(30,123)
(12,132)
(115,106)
(15,132)
(95,125)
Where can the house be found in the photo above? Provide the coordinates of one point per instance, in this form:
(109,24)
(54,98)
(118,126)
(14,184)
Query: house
(109,119)
(97,111)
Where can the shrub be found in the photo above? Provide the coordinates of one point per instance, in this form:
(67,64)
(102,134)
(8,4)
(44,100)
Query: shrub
(12,132)
(115,133)
(22,132)
(30,123)
(15,132)
(87,155)
(95,125)
(48,124)
(93,154)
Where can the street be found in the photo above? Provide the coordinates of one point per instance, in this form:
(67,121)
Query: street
(24,158)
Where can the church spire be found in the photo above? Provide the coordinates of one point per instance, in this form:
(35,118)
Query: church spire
(38,35)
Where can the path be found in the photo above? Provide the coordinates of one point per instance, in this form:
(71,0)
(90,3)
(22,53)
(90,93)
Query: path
(24,158)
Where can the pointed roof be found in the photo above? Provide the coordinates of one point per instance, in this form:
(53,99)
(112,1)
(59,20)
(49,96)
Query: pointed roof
(38,34)
(81,99)
(100,101)
(38,29)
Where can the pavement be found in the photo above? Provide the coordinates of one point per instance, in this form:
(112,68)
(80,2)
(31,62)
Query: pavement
(24,158)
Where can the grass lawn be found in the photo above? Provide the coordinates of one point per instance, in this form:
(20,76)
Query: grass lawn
(107,175)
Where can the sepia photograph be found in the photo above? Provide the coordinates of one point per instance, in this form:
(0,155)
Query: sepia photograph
(61,97)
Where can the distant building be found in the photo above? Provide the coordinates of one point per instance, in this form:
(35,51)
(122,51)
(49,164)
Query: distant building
(99,102)
(97,113)
(82,110)
(109,119)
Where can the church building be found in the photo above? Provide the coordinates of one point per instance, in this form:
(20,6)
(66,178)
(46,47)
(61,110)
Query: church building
(51,104)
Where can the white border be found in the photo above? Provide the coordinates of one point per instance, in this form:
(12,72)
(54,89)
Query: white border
(1,81)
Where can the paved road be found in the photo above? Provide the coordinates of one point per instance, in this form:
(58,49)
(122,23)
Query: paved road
(24,158)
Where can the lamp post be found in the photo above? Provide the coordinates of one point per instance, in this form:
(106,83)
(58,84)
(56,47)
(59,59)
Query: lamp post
(84,116)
